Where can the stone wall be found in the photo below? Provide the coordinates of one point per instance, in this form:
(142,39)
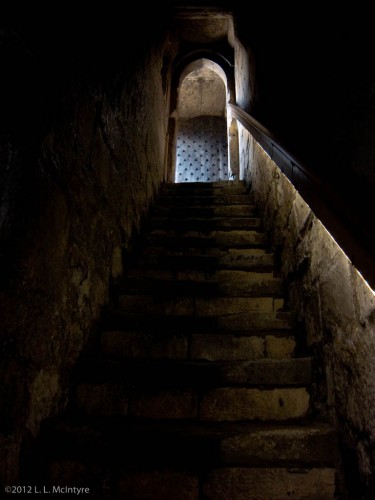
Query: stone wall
(334,308)
(202,93)
(82,156)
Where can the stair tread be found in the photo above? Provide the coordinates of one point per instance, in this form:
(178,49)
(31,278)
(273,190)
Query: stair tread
(168,259)
(241,323)
(203,224)
(179,211)
(196,199)
(189,372)
(220,239)
(195,345)
(211,443)
(171,286)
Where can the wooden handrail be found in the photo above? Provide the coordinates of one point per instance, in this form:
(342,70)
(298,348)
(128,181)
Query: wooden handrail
(327,205)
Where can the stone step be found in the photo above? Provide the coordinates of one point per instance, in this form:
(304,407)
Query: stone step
(244,323)
(221,404)
(209,224)
(228,283)
(212,444)
(164,301)
(254,259)
(264,484)
(193,200)
(177,345)
(192,239)
(203,211)
(119,458)
(202,189)
(147,373)
(223,483)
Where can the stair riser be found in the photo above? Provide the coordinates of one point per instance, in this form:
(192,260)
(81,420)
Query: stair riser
(203,190)
(156,258)
(189,306)
(294,445)
(198,373)
(247,323)
(120,344)
(277,444)
(187,484)
(228,283)
(192,200)
(226,239)
(183,212)
(223,404)
(309,484)
(182,225)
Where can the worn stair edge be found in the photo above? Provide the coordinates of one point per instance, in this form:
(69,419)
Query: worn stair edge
(210,347)
(207,211)
(252,322)
(238,185)
(207,404)
(224,282)
(161,443)
(211,200)
(275,483)
(196,373)
(155,259)
(186,484)
(199,224)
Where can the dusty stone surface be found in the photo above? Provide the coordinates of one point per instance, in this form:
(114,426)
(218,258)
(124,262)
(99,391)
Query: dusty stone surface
(229,347)
(280,347)
(282,444)
(313,484)
(251,404)
(205,307)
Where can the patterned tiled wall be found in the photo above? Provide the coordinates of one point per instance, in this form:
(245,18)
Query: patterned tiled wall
(202,150)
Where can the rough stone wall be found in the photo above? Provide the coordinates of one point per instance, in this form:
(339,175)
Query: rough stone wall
(82,155)
(335,309)
(245,77)
(202,93)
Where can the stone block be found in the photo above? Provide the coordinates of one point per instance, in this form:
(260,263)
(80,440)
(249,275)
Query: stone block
(278,445)
(231,305)
(270,483)
(268,372)
(234,404)
(254,321)
(226,347)
(280,347)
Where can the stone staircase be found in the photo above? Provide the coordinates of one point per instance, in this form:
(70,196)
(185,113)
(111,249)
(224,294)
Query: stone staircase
(199,386)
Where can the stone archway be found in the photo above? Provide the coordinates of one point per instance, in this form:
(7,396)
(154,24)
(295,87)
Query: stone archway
(201,142)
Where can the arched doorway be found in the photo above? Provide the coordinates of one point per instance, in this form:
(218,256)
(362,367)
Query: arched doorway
(202,131)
